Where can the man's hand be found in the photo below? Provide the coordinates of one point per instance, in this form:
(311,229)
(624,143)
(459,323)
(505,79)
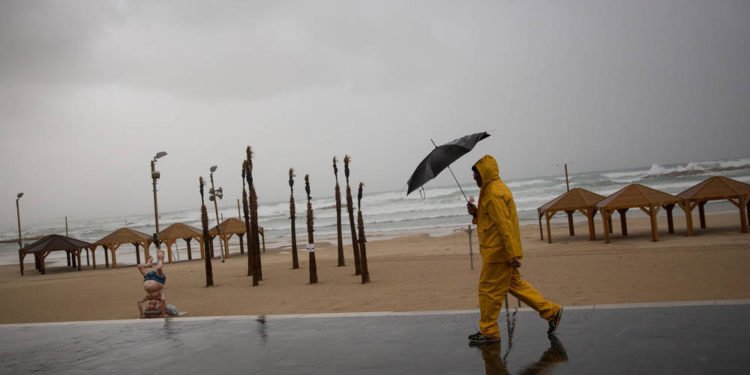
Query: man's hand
(472,209)
(515,263)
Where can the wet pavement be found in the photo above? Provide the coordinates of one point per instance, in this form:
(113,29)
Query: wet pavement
(677,339)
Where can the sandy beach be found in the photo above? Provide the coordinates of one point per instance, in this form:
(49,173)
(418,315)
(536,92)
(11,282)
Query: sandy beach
(409,273)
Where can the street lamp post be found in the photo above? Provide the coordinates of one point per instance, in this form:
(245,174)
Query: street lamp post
(215,195)
(155,176)
(18,216)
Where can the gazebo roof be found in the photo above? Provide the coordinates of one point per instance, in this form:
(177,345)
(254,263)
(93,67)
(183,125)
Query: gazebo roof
(572,200)
(716,187)
(54,242)
(232,225)
(179,230)
(122,236)
(637,195)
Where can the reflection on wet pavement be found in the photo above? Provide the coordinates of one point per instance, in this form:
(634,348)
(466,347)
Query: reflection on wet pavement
(664,340)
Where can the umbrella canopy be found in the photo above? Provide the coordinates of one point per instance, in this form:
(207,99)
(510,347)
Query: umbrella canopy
(441,157)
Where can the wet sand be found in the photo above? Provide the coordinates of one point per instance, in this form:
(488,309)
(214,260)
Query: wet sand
(410,273)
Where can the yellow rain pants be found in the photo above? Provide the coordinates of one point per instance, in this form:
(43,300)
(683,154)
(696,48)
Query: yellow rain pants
(500,243)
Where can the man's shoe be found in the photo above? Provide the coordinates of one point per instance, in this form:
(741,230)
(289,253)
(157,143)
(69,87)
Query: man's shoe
(483,340)
(475,336)
(555,322)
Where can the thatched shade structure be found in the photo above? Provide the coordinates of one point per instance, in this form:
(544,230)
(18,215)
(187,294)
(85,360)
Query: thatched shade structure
(637,196)
(715,188)
(231,227)
(574,200)
(54,242)
(121,236)
(176,231)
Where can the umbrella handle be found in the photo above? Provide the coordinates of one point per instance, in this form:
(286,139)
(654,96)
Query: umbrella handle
(454,176)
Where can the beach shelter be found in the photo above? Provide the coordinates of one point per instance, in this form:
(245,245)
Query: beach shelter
(54,242)
(121,236)
(647,199)
(176,231)
(230,227)
(715,188)
(576,199)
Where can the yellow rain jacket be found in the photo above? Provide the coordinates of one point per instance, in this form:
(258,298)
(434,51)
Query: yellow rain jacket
(497,221)
(500,242)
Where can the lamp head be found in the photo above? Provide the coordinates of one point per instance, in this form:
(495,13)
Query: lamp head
(160,154)
(19,195)
(213,168)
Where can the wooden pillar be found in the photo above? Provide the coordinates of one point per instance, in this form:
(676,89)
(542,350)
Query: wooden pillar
(137,253)
(42,265)
(190,253)
(106,258)
(547,217)
(226,246)
(114,257)
(202,246)
(79,259)
(609,221)
(87,258)
(67,256)
(263,236)
(145,250)
(702,214)
(687,206)
(570,223)
(670,219)
(623,221)
(747,209)
(242,245)
(20,261)
(169,251)
(73,258)
(37,262)
(93,256)
(592,230)
(743,213)
(605,222)
(653,210)
(541,231)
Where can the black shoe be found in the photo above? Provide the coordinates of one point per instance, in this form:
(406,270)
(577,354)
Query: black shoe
(555,322)
(483,340)
(475,336)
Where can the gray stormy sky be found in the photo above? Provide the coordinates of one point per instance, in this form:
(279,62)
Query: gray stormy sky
(91,90)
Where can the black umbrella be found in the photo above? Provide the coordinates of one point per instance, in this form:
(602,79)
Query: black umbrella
(440,158)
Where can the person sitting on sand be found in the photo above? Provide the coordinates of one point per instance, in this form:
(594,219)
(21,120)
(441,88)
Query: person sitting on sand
(153,283)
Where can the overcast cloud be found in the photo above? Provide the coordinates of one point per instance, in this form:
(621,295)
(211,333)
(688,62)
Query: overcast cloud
(91,90)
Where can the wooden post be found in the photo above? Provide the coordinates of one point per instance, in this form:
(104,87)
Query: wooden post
(114,256)
(145,252)
(547,218)
(190,253)
(137,253)
(747,209)
(623,220)
(541,231)
(20,261)
(42,265)
(201,244)
(242,243)
(106,257)
(687,206)
(93,256)
(743,214)
(73,258)
(169,251)
(653,210)
(87,257)
(702,214)
(226,246)
(670,219)
(609,222)
(592,230)
(570,223)
(79,259)
(263,236)
(67,256)
(605,222)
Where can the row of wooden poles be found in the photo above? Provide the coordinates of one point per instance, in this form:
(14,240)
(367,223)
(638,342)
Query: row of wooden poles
(250,210)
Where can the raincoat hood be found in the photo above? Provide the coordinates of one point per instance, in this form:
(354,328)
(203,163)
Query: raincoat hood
(487,168)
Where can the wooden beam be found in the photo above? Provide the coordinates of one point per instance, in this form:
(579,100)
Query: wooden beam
(702,214)
(137,253)
(743,213)
(106,257)
(169,251)
(623,221)
(539,215)
(190,253)
(93,256)
(547,218)
(670,219)
(570,223)
(653,210)
(21,255)
(605,222)
(592,230)
(79,259)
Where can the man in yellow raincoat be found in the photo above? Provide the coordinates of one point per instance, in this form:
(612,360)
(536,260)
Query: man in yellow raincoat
(500,245)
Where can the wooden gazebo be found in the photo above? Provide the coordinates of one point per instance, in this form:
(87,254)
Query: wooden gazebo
(54,242)
(647,199)
(576,199)
(176,231)
(230,227)
(121,236)
(715,188)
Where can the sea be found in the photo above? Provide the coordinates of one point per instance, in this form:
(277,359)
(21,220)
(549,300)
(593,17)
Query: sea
(436,210)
